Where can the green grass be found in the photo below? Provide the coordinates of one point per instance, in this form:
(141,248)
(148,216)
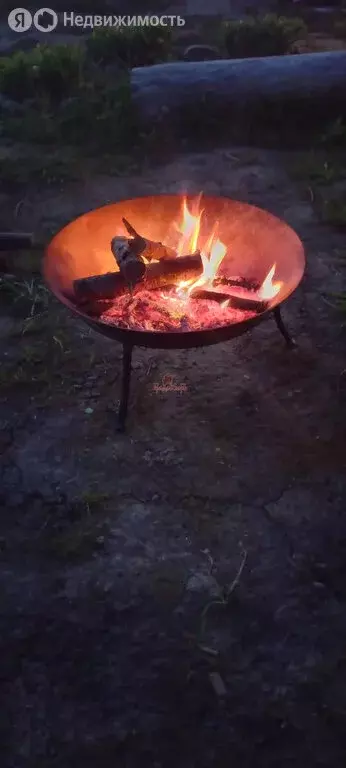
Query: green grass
(317,168)
(323,169)
(22,167)
(95,117)
(269,35)
(69,97)
(48,72)
(130,46)
(334,212)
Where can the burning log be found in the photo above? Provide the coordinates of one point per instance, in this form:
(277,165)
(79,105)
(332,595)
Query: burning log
(127,254)
(151,250)
(247,303)
(237,282)
(157,275)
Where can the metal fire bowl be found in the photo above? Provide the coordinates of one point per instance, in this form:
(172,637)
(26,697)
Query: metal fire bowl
(255,240)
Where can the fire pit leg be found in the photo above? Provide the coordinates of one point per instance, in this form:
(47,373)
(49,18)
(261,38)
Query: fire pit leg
(125,387)
(282,328)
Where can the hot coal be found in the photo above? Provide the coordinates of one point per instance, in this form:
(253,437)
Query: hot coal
(163,310)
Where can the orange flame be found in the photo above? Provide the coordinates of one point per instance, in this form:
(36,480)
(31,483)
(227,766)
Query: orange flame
(212,253)
(189,229)
(269,288)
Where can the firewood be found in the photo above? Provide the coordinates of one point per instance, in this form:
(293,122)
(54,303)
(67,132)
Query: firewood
(247,303)
(209,295)
(238,282)
(159,274)
(246,297)
(127,254)
(152,250)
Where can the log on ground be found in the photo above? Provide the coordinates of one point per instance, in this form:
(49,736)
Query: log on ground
(278,86)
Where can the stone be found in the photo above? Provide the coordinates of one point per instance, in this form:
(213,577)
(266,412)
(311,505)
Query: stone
(201,53)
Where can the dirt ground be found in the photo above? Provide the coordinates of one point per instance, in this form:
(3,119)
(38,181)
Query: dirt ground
(175,596)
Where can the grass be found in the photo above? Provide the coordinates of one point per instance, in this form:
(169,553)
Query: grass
(51,72)
(77,530)
(27,298)
(334,212)
(317,167)
(76,98)
(20,167)
(323,169)
(268,35)
(130,47)
(221,600)
(94,117)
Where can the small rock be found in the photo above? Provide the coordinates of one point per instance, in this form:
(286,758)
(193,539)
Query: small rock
(201,53)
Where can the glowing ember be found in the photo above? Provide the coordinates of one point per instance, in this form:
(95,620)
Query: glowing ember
(175,308)
(146,311)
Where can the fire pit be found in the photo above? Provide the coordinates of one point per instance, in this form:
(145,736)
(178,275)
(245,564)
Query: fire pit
(173,272)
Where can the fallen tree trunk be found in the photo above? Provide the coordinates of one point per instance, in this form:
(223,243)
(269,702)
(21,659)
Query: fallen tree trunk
(277,86)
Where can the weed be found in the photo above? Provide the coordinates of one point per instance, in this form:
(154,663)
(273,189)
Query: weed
(92,499)
(45,72)
(334,212)
(335,133)
(94,117)
(77,532)
(316,168)
(19,169)
(129,46)
(223,598)
(269,35)
(25,296)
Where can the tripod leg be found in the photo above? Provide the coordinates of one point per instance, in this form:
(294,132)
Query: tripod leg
(282,328)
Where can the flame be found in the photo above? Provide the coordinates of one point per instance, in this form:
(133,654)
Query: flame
(212,253)
(269,289)
(188,229)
